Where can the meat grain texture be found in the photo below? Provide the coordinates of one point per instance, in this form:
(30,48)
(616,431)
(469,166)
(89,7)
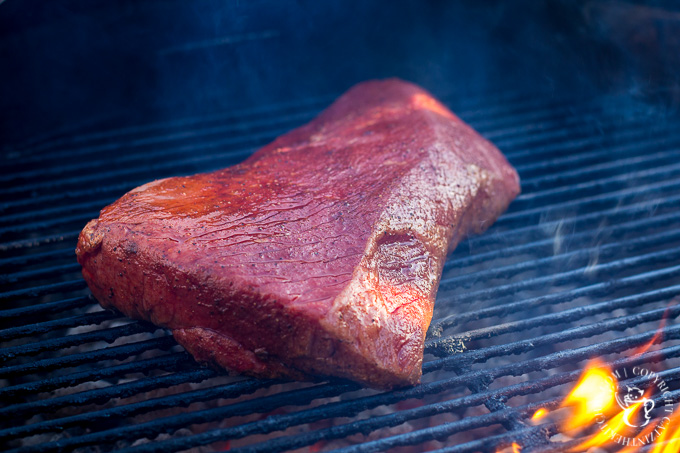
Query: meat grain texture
(321,254)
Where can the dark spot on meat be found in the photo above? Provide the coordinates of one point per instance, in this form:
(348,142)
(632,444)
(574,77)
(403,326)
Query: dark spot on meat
(130,247)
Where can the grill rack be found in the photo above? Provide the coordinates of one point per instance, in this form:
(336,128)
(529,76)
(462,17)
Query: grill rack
(587,251)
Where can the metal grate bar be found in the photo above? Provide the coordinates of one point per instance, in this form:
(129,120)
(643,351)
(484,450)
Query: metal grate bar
(37,241)
(280,125)
(184,399)
(618,195)
(119,188)
(612,215)
(549,244)
(44,308)
(544,431)
(103,395)
(617,180)
(109,335)
(597,328)
(71,140)
(537,122)
(48,326)
(527,409)
(351,408)
(121,352)
(35,258)
(573,314)
(154,128)
(105,151)
(299,397)
(619,164)
(417,437)
(224,157)
(443,348)
(597,289)
(603,251)
(108,158)
(215,160)
(44,224)
(171,362)
(147,155)
(547,150)
(602,152)
(22,276)
(368,425)
(664,157)
(593,202)
(37,291)
(575,275)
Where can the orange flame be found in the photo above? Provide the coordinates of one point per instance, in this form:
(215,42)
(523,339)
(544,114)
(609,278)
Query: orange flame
(539,414)
(669,441)
(659,332)
(514,448)
(661,435)
(593,396)
(593,404)
(611,428)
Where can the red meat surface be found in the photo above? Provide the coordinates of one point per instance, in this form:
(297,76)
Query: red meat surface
(321,254)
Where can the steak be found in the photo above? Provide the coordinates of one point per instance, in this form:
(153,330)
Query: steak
(321,254)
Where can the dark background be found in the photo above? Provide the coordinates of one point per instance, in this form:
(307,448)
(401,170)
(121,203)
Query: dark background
(74,66)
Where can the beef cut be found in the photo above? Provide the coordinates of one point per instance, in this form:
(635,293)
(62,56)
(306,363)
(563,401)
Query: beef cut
(321,254)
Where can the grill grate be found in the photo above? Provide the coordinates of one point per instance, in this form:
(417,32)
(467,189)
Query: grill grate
(583,265)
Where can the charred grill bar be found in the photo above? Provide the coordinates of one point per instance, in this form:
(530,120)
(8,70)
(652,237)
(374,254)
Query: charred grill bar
(583,265)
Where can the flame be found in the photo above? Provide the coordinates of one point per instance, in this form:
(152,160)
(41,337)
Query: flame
(593,404)
(661,434)
(539,414)
(669,441)
(659,331)
(610,428)
(593,396)
(514,448)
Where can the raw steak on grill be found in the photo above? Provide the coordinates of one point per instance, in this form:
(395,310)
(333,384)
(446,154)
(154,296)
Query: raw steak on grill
(321,254)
